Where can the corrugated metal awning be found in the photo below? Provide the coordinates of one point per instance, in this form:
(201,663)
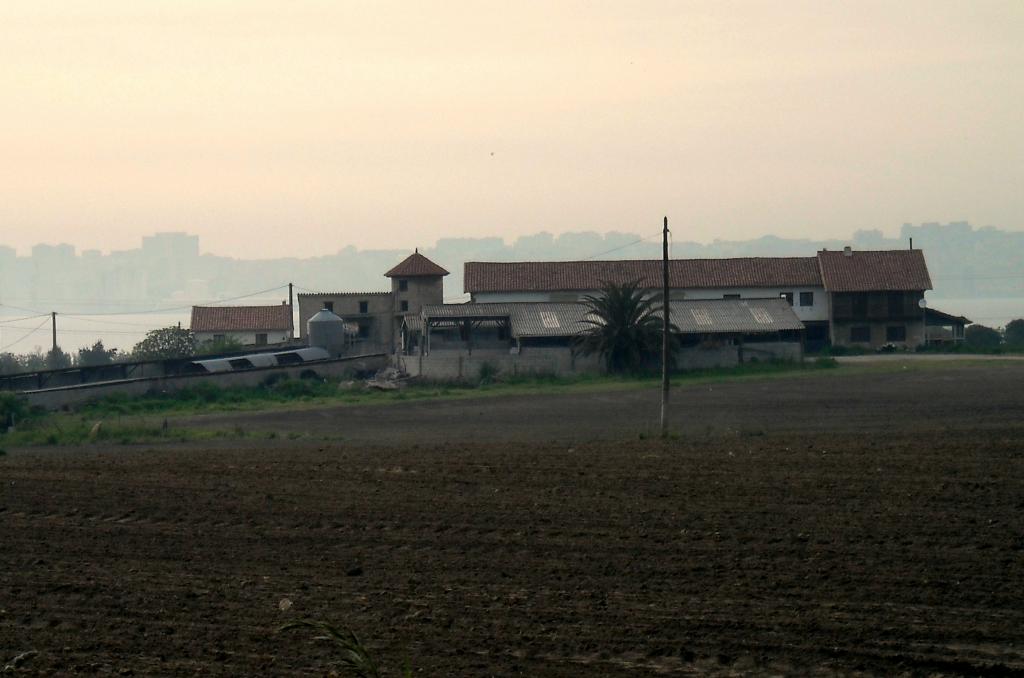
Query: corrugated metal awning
(549,319)
(726,316)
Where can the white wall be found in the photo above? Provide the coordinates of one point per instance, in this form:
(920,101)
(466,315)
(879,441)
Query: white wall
(819,311)
(246,338)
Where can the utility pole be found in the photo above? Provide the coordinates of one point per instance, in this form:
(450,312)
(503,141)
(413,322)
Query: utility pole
(53,327)
(664,330)
(291,311)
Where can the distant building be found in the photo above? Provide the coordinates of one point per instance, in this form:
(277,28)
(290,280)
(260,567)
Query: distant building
(248,325)
(415,282)
(846,298)
(450,341)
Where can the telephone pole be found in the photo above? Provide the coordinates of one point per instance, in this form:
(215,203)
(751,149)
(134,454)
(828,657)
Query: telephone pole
(53,327)
(291,311)
(664,329)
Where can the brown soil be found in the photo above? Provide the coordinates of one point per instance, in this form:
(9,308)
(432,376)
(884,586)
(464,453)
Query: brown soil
(937,398)
(892,547)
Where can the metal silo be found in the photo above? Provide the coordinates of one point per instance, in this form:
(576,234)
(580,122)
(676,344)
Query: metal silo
(327,331)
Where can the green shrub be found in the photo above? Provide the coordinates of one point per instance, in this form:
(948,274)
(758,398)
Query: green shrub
(295,389)
(983,338)
(273,378)
(488,373)
(1014,333)
(13,408)
(826,362)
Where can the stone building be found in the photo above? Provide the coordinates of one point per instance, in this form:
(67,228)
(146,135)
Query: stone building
(864,299)
(415,282)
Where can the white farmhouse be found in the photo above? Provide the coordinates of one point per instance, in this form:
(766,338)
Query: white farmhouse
(248,325)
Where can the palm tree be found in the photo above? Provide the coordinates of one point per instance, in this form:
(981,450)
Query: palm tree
(623,327)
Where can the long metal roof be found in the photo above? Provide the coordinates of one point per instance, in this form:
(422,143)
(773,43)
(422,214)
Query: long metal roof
(724,316)
(691,316)
(549,319)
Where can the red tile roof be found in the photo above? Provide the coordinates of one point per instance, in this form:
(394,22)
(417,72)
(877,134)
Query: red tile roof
(241,318)
(874,271)
(415,265)
(545,276)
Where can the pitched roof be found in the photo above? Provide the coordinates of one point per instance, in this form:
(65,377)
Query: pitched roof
(415,265)
(343,294)
(526,319)
(546,276)
(749,316)
(241,318)
(874,271)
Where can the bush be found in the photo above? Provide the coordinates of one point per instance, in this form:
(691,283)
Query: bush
(295,389)
(981,337)
(273,379)
(13,408)
(1014,333)
(488,373)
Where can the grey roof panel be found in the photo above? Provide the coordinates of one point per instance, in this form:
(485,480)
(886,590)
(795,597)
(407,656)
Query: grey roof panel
(548,319)
(722,316)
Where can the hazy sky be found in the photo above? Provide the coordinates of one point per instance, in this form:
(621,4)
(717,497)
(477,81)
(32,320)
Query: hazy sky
(274,128)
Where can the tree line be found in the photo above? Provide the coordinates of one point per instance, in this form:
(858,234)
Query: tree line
(160,344)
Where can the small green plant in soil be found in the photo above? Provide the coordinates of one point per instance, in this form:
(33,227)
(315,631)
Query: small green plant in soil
(353,655)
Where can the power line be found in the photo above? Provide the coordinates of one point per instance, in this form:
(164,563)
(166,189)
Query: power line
(25,336)
(106,322)
(16,320)
(622,247)
(211,302)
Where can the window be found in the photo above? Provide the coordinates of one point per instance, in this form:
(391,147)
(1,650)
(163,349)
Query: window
(329,305)
(364,307)
(896,333)
(404,305)
(788,296)
(730,296)
(403,285)
(261,340)
(860,305)
(364,331)
(807,298)
(860,334)
(218,338)
(895,304)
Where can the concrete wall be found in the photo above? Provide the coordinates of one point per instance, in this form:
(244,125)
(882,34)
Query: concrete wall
(377,319)
(458,364)
(69,396)
(462,365)
(420,291)
(246,338)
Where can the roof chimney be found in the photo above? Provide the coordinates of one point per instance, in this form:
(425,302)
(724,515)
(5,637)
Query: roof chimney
(847,251)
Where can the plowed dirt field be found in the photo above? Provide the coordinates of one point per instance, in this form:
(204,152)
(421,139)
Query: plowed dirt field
(751,549)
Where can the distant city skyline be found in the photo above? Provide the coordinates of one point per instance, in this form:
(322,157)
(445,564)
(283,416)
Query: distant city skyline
(287,130)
